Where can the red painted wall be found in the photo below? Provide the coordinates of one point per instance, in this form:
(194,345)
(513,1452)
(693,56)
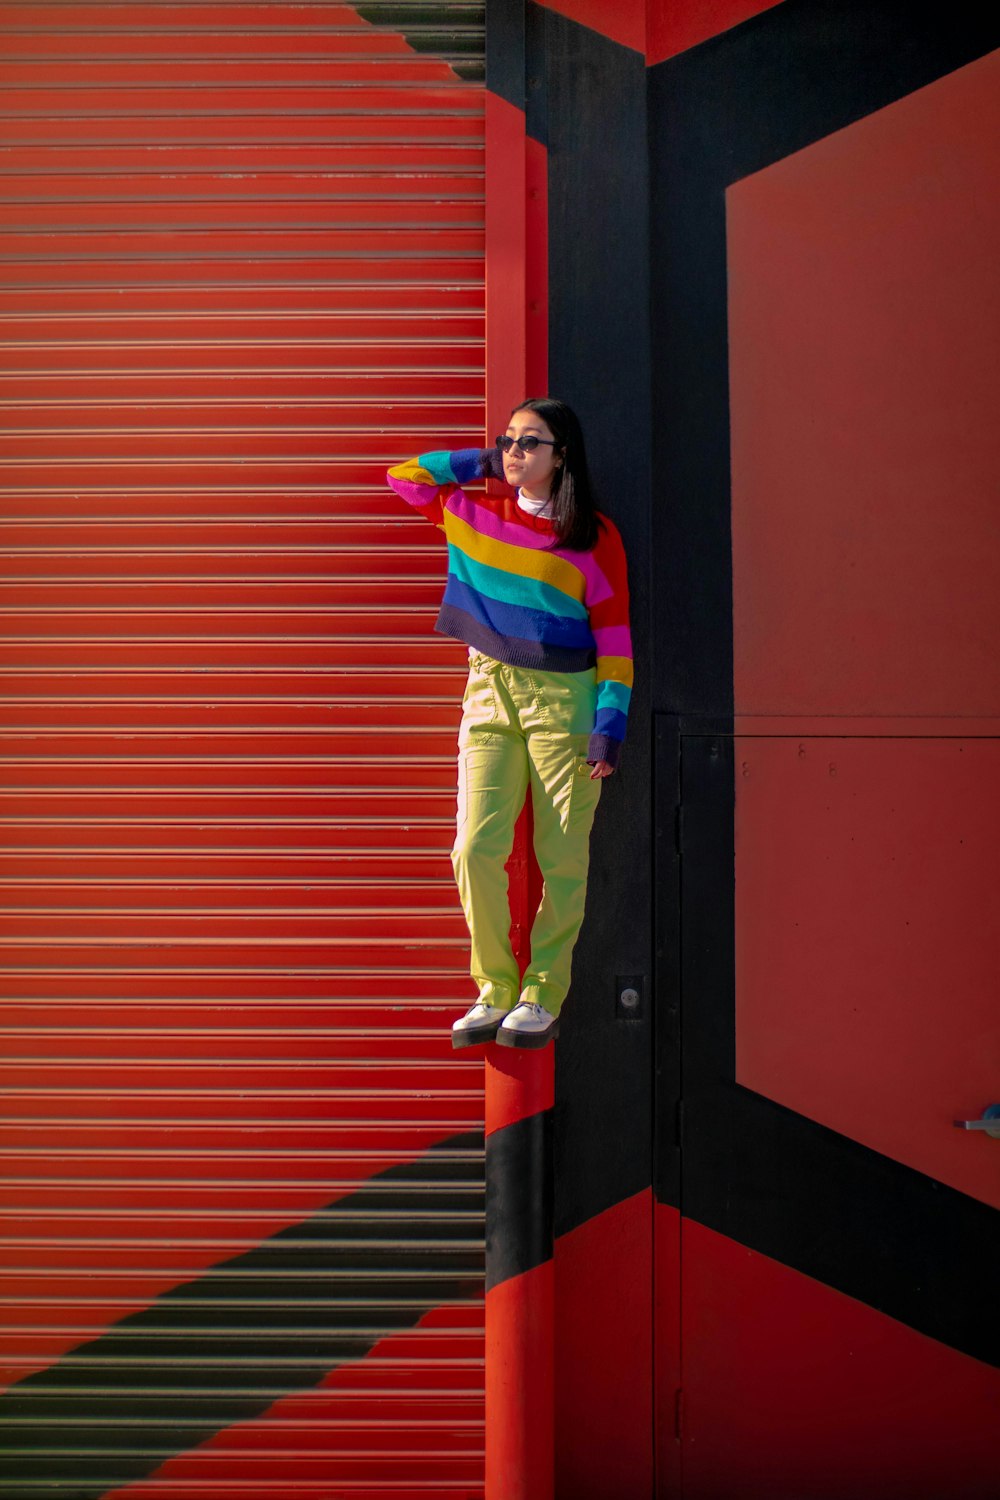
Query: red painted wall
(659,28)
(793,1389)
(864,441)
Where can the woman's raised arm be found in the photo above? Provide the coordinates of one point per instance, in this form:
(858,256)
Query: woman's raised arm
(426,481)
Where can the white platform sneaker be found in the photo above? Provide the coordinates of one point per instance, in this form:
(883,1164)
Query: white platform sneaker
(528,1025)
(479,1024)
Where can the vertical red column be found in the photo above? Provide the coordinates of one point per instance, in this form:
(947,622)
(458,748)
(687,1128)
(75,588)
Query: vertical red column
(519,1085)
(520,1450)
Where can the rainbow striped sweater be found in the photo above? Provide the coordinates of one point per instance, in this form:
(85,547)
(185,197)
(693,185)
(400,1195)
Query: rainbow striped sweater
(515,597)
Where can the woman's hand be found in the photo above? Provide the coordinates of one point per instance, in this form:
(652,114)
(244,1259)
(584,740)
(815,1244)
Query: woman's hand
(601,768)
(491,462)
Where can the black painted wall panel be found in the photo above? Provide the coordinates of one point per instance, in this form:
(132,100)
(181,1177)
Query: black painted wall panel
(586,100)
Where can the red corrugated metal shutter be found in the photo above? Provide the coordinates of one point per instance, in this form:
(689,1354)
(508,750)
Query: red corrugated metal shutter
(241,1166)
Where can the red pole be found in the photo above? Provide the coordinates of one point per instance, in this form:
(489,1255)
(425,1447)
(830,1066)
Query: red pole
(520,1412)
(520,1451)
(520,1415)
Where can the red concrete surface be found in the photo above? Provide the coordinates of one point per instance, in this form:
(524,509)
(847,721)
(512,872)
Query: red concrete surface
(674,25)
(667,1346)
(794,1389)
(506,209)
(623,22)
(867,907)
(865,446)
(659,28)
(604,1351)
(519,1083)
(519,1387)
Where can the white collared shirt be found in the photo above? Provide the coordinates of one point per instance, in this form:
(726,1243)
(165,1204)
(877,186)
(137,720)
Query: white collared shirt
(532,506)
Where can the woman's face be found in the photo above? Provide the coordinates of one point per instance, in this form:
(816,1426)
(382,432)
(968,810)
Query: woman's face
(531,472)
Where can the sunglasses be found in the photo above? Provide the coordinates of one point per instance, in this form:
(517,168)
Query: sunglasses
(526,444)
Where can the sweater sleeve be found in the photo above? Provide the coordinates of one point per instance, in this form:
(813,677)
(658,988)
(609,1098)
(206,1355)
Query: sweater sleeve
(609,623)
(425,481)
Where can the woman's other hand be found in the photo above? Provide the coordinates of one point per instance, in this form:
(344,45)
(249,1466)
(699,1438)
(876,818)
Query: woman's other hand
(601,768)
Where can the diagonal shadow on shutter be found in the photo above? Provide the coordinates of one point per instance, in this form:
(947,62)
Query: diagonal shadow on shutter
(225,1348)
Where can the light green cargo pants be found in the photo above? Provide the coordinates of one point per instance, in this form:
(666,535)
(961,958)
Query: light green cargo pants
(519,724)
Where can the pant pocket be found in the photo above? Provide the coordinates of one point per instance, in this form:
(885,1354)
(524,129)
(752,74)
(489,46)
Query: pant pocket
(474,772)
(480,710)
(568,789)
(567,701)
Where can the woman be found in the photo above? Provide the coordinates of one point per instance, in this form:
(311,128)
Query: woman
(538,591)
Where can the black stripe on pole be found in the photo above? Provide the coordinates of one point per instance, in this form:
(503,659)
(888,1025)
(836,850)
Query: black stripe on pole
(518,1197)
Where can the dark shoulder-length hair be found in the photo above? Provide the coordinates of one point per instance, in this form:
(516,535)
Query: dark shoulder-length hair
(574,509)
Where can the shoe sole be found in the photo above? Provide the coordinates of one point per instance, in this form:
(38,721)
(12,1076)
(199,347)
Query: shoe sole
(472,1036)
(526,1039)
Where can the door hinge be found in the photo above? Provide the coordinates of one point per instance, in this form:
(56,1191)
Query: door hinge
(679,827)
(678,1410)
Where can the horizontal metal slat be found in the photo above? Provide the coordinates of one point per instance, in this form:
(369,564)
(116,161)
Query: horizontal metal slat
(174,641)
(335,537)
(73,1045)
(171,446)
(165,1392)
(265,810)
(36,1148)
(440,354)
(417,322)
(223,71)
(447,99)
(251,213)
(382,775)
(245,503)
(405,249)
(221,633)
(339,45)
(408,424)
(439,346)
(246,715)
(335,839)
(119,198)
(172,130)
(349,269)
(354,494)
(391,392)
(195,1082)
(160,15)
(323,562)
(79,162)
(417,1410)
